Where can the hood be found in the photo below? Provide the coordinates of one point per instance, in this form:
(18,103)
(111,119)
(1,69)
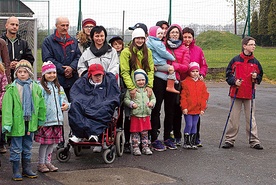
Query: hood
(140,71)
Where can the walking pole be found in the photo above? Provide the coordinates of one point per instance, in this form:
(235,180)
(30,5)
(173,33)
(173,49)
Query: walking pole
(236,92)
(253,96)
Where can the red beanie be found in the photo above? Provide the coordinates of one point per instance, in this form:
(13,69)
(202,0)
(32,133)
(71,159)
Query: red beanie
(88,21)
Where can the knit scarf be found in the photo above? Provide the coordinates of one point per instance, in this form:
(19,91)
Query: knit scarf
(174,43)
(101,51)
(27,101)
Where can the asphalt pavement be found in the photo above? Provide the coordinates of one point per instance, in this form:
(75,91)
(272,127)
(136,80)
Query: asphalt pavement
(207,165)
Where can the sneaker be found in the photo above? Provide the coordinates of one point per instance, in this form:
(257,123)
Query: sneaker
(74,139)
(178,141)
(227,146)
(127,148)
(3,149)
(169,144)
(158,146)
(146,151)
(187,146)
(258,147)
(199,144)
(97,149)
(172,138)
(93,138)
(51,167)
(42,168)
(136,151)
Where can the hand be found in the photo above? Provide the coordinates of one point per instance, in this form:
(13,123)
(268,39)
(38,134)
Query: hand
(150,104)
(13,64)
(68,71)
(149,90)
(254,75)
(134,105)
(132,93)
(64,107)
(238,82)
(185,111)
(201,112)
(201,77)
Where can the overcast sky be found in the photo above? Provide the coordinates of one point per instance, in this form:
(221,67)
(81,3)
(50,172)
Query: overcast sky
(109,13)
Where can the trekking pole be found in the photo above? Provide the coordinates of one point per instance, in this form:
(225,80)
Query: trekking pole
(251,108)
(235,95)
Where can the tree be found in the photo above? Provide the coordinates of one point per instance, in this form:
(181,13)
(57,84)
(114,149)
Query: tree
(263,17)
(254,24)
(242,8)
(272,18)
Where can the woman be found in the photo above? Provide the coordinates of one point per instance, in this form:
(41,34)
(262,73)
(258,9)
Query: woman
(99,52)
(173,115)
(84,35)
(136,56)
(196,55)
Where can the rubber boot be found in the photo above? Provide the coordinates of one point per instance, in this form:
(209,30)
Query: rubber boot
(193,141)
(170,86)
(187,143)
(15,170)
(27,169)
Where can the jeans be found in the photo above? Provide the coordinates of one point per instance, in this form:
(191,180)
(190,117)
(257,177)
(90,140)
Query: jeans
(21,146)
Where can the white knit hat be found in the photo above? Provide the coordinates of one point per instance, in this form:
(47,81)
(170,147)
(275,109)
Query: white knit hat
(138,32)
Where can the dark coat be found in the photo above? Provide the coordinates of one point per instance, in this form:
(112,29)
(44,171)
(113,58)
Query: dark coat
(92,107)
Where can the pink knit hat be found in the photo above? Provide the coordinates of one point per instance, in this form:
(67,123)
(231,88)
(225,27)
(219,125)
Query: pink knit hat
(193,65)
(48,67)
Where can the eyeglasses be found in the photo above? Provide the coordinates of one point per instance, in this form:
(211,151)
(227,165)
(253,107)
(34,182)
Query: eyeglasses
(88,27)
(251,44)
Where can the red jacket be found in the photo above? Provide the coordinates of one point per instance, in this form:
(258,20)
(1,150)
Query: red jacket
(241,67)
(194,96)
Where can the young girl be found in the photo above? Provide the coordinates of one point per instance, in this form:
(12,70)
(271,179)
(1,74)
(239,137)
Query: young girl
(51,132)
(141,107)
(3,83)
(23,110)
(193,103)
(160,56)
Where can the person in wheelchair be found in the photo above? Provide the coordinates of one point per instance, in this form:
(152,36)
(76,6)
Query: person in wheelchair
(94,97)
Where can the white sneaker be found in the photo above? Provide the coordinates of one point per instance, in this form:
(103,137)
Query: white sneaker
(97,149)
(136,151)
(93,138)
(146,151)
(75,139)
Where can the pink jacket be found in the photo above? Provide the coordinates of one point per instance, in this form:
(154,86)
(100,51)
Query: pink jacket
(3,83)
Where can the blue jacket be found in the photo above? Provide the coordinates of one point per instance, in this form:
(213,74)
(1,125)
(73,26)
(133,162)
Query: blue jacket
(62,54)
(53,103)
(92,106)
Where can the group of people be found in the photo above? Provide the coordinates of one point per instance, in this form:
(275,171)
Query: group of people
(90,76)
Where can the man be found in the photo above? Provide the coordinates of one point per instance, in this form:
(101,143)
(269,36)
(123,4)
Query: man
(62,49)
(17,47)
(242,73)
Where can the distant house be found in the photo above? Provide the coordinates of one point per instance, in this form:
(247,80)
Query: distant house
(14,8)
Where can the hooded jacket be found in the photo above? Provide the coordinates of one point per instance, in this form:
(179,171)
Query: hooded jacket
(12,112)
(242,67)
(62,54)
(5,59)
(92,106)
(141,98)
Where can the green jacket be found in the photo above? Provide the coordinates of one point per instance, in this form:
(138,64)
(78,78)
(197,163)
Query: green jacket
(125,68)
(12,113)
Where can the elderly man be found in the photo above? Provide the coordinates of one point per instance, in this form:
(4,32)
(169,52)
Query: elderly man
(17,47)
(63,51)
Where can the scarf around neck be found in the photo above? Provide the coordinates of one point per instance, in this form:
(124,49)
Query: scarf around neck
(173,44)
(27,101)
(99,52)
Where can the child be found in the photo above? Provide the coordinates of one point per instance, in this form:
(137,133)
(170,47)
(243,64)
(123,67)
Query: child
(3,83)
(193,102)
(117,43)
(51,132)
(160,56)
(23,110)
(141,107)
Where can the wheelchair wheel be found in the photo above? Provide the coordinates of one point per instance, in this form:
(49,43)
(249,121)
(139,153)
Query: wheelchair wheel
(120,143)
(63,155)
(77,150)
(108,156)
